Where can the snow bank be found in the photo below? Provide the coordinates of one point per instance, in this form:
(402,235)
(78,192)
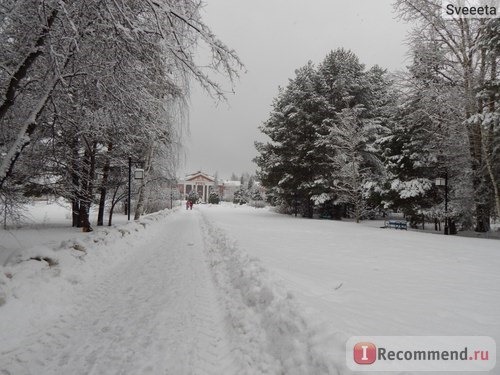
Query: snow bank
(39,283)
(266,323)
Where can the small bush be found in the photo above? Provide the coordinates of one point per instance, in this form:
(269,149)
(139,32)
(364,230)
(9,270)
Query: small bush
(257,204)
(214,198)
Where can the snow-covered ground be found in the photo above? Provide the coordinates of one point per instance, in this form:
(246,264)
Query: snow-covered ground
(230,290)
(166,295)
(367,281)
(375,281)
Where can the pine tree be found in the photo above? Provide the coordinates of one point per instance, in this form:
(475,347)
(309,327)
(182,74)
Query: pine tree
(240,196)
(292,166)
(361,100)
(354,162)
(315,119)
(214,198)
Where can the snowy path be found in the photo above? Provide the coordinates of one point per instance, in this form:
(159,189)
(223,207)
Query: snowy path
(167,295)
(153,313)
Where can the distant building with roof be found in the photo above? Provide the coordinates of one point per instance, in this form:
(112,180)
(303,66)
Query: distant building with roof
(203,184)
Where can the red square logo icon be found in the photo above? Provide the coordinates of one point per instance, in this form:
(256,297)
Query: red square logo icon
(365,353)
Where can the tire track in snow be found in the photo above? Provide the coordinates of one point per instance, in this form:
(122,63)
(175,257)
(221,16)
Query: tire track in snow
(155,312)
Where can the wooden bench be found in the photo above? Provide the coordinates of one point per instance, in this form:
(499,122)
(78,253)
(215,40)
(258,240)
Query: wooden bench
(396,224)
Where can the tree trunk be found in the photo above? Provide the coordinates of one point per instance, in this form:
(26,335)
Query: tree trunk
(140,200)
(482,218)
(114,201)
(75,182)
(25,65)
(88,172)
(142,189)
(358,207)
(75,212)
(309,208)
(110,218)
(102,199)
(112,208)
(482,211)
(102,203)
(24,135)
(488,139)
(29,126)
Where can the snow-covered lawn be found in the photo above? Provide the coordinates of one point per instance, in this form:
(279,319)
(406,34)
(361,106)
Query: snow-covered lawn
(366,281)
(230,290)
(43,222)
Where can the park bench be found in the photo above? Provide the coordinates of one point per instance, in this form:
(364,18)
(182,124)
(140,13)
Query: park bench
(396,224)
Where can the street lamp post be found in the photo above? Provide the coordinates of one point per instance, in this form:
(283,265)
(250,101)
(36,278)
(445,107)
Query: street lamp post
(444,182)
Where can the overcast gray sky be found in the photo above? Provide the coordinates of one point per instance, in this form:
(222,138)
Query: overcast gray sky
(273,38)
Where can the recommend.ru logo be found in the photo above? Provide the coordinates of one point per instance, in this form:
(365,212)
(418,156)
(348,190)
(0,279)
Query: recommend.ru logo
(421,353)
(365,353)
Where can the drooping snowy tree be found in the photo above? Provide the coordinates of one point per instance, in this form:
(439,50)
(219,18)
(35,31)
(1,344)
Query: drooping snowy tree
(94,82)
(464,65)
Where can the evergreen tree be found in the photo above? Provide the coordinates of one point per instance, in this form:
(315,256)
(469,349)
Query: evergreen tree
(315,119)
(354,161)
(293,166)
(213,198)
(193,196)
(240,196)
(256,195)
